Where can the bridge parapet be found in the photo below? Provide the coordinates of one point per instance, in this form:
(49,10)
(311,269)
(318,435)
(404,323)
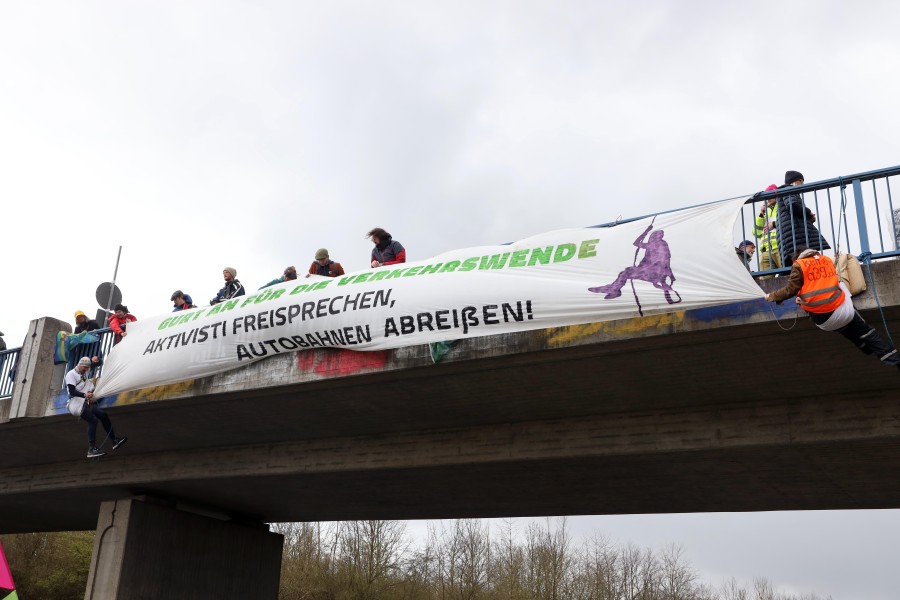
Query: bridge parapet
(41,393)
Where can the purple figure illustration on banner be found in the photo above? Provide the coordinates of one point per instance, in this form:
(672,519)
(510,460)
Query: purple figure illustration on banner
(655,268)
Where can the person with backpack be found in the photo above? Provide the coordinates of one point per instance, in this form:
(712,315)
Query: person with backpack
(821,293)
(387,251)
(324,266)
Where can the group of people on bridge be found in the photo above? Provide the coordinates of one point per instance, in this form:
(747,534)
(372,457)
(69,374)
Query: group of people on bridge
(788,237)
(784,227)
(80,383)
(783,224)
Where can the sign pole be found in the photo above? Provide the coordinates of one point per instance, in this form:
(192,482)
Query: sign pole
(112,288)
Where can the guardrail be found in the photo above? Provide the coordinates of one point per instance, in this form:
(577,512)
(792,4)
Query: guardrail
(867,206)
(100,349)
(855,213)
(8,361)
(865,199)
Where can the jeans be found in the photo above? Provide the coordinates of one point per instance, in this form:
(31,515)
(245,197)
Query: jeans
(93,413)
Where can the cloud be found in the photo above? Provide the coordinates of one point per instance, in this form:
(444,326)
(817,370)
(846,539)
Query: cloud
(211,134)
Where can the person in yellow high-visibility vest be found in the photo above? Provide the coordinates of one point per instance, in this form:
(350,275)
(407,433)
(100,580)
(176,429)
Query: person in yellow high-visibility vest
(766,231)
(822,294)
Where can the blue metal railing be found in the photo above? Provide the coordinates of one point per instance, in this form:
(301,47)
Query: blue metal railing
(850,211)
(865,199)
(100,349)
(8,361)
(844,199)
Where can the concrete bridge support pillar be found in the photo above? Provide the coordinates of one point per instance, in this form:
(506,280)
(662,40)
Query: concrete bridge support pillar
(37,378)
(147,549)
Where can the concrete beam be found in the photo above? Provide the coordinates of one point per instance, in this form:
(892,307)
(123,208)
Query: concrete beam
(38,380)
(146,549)
(766,454)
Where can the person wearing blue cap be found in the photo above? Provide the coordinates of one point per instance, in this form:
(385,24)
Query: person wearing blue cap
(745,251)
(181,301)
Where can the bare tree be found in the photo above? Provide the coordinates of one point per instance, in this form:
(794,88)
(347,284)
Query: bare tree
(677,577)
(547,555)
(300,561)
(508,565)
(732,590)
(464,560)
(763,589)
(369,554)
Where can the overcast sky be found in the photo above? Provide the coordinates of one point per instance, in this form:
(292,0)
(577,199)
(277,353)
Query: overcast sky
(200,135)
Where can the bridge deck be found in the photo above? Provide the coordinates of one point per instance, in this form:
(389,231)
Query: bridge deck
(712,410)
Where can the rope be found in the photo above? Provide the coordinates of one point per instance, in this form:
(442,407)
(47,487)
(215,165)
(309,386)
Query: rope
(867,258)
(841,215)
(778,321)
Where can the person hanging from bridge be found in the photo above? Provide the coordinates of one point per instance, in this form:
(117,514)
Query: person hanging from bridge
(82,403)
(822,294)
(655,268)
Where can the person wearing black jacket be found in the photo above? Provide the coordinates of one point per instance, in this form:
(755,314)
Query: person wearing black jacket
(232,289)
(795,222)
(82,323)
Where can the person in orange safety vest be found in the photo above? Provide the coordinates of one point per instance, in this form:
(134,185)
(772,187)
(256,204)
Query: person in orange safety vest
(822,294)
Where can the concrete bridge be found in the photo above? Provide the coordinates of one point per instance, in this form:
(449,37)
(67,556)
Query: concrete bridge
(717,409)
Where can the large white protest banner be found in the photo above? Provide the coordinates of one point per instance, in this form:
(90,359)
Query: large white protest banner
(674,261)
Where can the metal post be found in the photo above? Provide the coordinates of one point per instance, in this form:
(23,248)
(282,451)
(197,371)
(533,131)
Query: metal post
(112,288)
(861,217)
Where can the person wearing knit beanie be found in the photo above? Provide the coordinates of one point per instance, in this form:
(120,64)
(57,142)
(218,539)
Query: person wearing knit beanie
(796,222)
(232,289)
(791,176)
(119,320)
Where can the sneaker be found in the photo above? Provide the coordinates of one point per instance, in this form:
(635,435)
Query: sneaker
(94,452)
(119,441)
